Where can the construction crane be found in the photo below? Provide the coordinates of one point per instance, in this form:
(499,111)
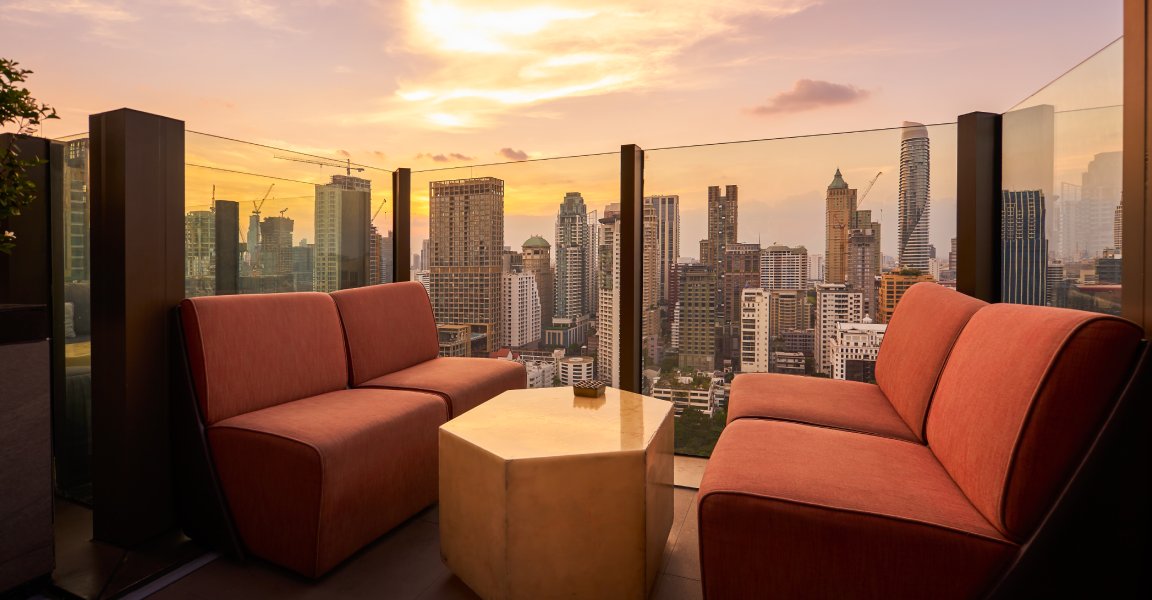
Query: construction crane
(840,224)
(868,189)
(347,165)
(378,209)
(256,207)
(282,213)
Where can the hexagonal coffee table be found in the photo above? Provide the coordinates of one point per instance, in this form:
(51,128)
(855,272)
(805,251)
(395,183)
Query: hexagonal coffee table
(546,494)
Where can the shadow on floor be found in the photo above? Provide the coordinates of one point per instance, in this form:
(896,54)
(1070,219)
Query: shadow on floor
(406,564)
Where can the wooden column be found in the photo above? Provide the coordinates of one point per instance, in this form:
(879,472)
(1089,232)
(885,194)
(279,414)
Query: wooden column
(137,195)
(978,172)
(631,266)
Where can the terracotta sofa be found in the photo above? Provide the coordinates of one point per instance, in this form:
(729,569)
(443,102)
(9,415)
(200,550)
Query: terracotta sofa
(301,468)
(820,504)
(919,337)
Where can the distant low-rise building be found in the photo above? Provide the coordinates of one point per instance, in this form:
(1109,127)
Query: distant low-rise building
(573,369)
(854,350)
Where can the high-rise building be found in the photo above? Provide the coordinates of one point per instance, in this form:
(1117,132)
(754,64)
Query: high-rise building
(573,258)
(913,200)
(741,271)
(835,304)
(1100,197)
(651,287)
(784,268)
(755,334)
(952,257)
(789,312)
(815,268)
(379,256)
(76,259)
(276,246)
(425,255)
(466,232)
(537,254)
(892,287)
(1118,228)
(199,253)
(342,217)
(1024,248)
(839,215)
(864,266)
(667,214)
(722,225)
(303,262)
(854,350)
(697,317)
(608,315)
(521,306)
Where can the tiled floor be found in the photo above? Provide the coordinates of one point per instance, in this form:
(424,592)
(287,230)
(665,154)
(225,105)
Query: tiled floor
(406,564)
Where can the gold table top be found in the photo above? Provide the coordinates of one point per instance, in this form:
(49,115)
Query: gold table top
(547,422)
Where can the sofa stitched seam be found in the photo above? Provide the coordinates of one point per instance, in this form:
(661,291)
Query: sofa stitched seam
(1010,470)
(830,427)
(320,493)
(940,373)
(443,395)
(879,515)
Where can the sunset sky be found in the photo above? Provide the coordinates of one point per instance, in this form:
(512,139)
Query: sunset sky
(446,83)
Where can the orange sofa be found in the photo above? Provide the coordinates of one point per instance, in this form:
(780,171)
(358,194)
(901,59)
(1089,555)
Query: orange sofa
(817,502)
(305,468)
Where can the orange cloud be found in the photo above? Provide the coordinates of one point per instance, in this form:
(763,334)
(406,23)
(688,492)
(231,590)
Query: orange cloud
(810,94)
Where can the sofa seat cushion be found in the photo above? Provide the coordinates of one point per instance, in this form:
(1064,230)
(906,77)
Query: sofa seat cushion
(388,327)
(848,405)
(311,481)
(463,383)
(811,512)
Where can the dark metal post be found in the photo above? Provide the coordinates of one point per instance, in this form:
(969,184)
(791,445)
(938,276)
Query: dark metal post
(137,192)
(227,247)
(978,175)
(631,266)
(1136,297)
(402,225)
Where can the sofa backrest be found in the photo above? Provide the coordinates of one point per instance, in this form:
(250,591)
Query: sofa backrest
(255,351)
(1025,391)
(923,329)
(389,327)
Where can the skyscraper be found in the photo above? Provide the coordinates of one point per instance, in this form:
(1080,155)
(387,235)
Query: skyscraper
(913,200)
(667,212)
(755,331)
(784,268)
(722,221)
(76,259)
(466,232)
(651,284)
(521,306)
(573,258)
(697,318)
(835,303)
(342,217)
(608,316)
(864,266)
(839,215)
(1024,248)
(199,253)
(538,261)
(741,270)
(276,246)
(1100,196)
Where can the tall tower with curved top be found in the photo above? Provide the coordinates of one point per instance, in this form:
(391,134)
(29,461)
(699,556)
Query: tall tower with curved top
(914,203)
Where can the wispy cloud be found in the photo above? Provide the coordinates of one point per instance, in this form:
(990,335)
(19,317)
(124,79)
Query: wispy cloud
(810,94)
(257,12)
(443,158)
(102,17)
(511,154)
(482,58)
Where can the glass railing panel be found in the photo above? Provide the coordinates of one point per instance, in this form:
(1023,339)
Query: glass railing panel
(73,414)
(262,219)
(1061,203)
(522,262)
(786,256)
